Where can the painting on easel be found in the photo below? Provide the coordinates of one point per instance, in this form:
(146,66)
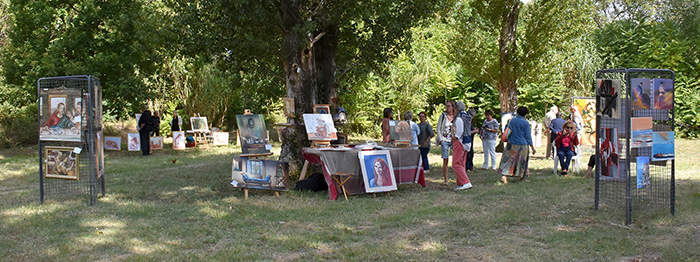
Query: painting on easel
(320,127)
(254,139)
(259,174)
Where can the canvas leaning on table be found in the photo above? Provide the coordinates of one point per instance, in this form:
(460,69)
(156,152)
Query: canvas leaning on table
(377,171)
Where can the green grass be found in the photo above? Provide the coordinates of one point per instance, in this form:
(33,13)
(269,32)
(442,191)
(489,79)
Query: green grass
(188,211)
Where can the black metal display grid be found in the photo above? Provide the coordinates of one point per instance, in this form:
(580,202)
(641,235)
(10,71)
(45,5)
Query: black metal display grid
(91,181)
(622,194)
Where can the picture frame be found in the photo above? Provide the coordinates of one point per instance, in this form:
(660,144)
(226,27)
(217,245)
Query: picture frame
(61,163)
(113,143)
(587,107)
(663,93)
(664,146)
(643,174)
(259,174)
(58,114)
(320,127)
(156,143)
(288,106)
(403,131)
(219,138)
(253,134)
(642,132)
(322,109)
(133,141)
(609,154)
(199,124)
(377,171)
(641,94)
(179,140)
(609,97)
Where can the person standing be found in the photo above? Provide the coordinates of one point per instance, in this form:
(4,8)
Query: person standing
(176,122)
(156,124)
(577,118)
(460,147)
(489,137)
(565,143)
(388,114)
(556,126)
(145,126)
(471,113)
(444,135)
(516,155)
(551,115)
(426,133)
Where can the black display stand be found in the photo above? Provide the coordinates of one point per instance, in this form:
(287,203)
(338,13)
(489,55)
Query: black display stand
(71,141)
(626,190)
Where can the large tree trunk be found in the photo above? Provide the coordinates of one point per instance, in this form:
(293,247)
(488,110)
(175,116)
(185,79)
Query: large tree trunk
(309,67)
(506,49)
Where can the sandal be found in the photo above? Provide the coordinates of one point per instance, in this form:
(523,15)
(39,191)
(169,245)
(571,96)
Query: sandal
(504,180)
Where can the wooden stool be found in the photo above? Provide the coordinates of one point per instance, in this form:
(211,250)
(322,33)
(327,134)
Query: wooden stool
(338,176)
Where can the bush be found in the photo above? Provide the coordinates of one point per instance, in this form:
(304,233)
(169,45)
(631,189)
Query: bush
(18,125)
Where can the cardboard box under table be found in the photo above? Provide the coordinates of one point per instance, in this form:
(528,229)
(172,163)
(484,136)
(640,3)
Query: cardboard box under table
(407,165)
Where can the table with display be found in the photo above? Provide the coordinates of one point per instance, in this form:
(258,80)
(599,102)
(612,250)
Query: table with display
(407,166)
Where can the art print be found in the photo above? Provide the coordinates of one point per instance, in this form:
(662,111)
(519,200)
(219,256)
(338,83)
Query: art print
(663,148)
(663,93)
(178,140)
(219,138)
(610,98)
(199,124)
(252,133)
(586,105)
(133,142)
(403,131)
(377,171)
(320,127)
(641,93)
(156,143)
(288,106)
(322,109)
(58,115)
(642,134)
(113,143)
(643,176)
(61,162)
(608,151)
(259,174)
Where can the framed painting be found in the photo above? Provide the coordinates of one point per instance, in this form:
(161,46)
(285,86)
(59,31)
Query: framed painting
(61,162)
(664,147)
(133,142)
(178,140)
(259,174)
(288,106)
(641,93)
(641,132)
(377,171)
(609,156)
(253,136)
(663,93)
(403,131)
(322,109)
(113,143)
(320,127)
(219,138)
(199,124)
(609,97)
(60,120)
(586,105)
(156,143)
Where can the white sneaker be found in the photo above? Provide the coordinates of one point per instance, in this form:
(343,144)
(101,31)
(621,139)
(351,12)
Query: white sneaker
(464,187)
(426,171)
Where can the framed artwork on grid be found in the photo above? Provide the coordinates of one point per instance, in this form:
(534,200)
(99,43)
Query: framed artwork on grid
(61,162)
(59,119)
(377,171)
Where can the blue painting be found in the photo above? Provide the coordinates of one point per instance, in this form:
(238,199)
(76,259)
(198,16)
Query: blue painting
(663,148)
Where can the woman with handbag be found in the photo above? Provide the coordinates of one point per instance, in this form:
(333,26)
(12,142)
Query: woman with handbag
(516,154)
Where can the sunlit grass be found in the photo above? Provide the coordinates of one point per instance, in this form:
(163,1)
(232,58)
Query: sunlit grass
(187,211)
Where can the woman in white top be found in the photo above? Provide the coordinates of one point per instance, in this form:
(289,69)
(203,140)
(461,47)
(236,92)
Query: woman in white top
(443,138)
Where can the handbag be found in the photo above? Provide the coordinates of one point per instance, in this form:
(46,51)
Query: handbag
(505,135)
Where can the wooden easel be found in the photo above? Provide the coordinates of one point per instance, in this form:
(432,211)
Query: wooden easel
(314,144)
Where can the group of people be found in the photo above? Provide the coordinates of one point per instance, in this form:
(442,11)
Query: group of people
(149,125)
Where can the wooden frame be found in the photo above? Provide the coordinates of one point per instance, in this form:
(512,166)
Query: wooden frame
(179,140)
(199,124)
(113,143)
(61,162)
(53,127)
(322,109)
(252,134)
(320,127)
(133,142)
(288,106)
(373,162)
(156,143)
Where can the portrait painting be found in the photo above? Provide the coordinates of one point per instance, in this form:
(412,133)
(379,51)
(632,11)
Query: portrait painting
(643,175)
(133,142)
(664,147)
(586,105)
(156,142)
(199,124)
(377,171)
(219,138)
(642,134)
(60,120)
(322,109)
(179,140)
(259,174)
(609,155)
(610,98)
(253,137)
(663,93)
(641,94)
(61,162)
(320,127)
(403,131)
(288,106)
(113,143)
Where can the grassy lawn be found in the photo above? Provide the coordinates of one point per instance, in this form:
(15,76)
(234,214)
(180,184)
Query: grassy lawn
(188,211)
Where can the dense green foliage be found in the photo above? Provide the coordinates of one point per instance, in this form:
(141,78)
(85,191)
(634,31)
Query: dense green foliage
(217,58)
